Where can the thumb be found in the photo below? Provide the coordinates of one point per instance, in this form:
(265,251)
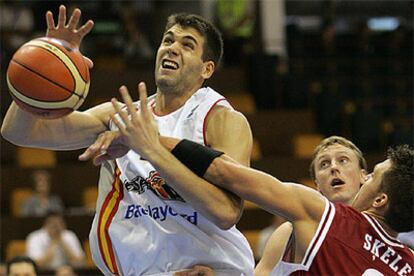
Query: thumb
(88,62)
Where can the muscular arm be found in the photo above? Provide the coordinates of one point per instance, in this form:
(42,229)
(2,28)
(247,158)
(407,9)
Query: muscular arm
(227,131)
(75,131)
(274,249)
(300,205)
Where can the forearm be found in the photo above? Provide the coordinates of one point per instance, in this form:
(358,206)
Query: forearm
(274,250)
(219,206)
(74,131)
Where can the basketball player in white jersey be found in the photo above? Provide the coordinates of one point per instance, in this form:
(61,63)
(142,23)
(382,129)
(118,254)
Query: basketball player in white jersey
(330,238)
(143,225)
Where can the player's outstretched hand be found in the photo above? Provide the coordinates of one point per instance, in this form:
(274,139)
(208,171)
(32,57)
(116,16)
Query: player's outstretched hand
(108,146)
(138,127)
(68,31)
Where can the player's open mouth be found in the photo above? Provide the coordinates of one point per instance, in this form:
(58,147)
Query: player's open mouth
(337,182)
(169,64)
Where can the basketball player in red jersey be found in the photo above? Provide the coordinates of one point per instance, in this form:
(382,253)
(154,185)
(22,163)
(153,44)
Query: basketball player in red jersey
(338,168)
(331,238)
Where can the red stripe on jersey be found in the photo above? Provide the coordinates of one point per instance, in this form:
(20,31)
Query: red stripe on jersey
(116,188)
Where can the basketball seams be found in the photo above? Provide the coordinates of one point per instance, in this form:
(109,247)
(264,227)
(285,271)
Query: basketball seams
(49,80)
(56,43)
(62,62)
(66,60)
(68,103)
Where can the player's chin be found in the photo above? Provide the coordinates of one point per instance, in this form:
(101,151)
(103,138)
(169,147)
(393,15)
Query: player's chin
(166,82)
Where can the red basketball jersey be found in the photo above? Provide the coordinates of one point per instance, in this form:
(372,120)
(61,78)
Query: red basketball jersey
(348,242)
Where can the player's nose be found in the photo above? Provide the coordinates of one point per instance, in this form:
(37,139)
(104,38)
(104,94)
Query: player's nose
(173,49)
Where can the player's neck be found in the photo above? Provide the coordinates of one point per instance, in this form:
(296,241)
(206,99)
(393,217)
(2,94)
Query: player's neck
(165,103)
(381,220)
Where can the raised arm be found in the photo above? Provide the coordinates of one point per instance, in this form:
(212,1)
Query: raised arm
(74,131)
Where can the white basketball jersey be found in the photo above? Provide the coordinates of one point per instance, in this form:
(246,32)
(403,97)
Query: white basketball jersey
(143,227)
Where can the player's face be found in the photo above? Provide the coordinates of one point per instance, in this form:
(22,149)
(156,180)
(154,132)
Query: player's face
(22,269)
(337,173)
(179,63)
(371,187)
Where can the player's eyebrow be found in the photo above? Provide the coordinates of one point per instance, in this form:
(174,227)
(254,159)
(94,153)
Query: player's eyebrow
(189,37)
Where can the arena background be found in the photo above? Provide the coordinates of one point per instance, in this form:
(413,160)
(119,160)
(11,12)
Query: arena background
(308,69)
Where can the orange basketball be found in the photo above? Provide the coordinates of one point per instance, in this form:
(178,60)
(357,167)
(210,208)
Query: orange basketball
(47,77)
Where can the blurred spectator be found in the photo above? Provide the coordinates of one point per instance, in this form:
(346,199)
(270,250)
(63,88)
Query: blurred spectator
(3,269)
(266,233)
(235,18)
(65,270)
(137,18)
(16,26)
(53,245)
(42,201)
(21,266)
(366,126)
(267,65)
(328,108)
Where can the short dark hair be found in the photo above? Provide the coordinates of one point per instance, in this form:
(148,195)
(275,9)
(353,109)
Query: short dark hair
(21,259)
(398,184)
(336,140)
(213,45)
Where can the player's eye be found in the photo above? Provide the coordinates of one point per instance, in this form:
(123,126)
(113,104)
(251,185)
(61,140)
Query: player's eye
(167,40)
(324,164)
(343,160)
(188,45)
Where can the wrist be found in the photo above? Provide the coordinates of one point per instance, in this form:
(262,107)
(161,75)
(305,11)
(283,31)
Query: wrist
(194,156)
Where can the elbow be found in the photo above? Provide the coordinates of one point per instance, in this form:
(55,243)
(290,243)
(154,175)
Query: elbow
(227,220)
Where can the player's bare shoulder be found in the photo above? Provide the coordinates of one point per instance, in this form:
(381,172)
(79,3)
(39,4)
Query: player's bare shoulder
(228,130)
(222,116)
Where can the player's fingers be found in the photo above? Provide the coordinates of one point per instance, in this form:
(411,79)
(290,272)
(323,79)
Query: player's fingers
(74,19)
(86,28)
(181,273)
(122,115)
(99,159)
(87,154)
(120,125)
(49,20)
(62,16)
(92,149)
(128,102)
(106,143)
(88,62)
(142,89)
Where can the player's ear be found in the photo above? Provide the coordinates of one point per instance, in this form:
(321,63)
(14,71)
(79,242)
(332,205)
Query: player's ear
(208,69)
(380,201)
(317,184)
(362,175)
